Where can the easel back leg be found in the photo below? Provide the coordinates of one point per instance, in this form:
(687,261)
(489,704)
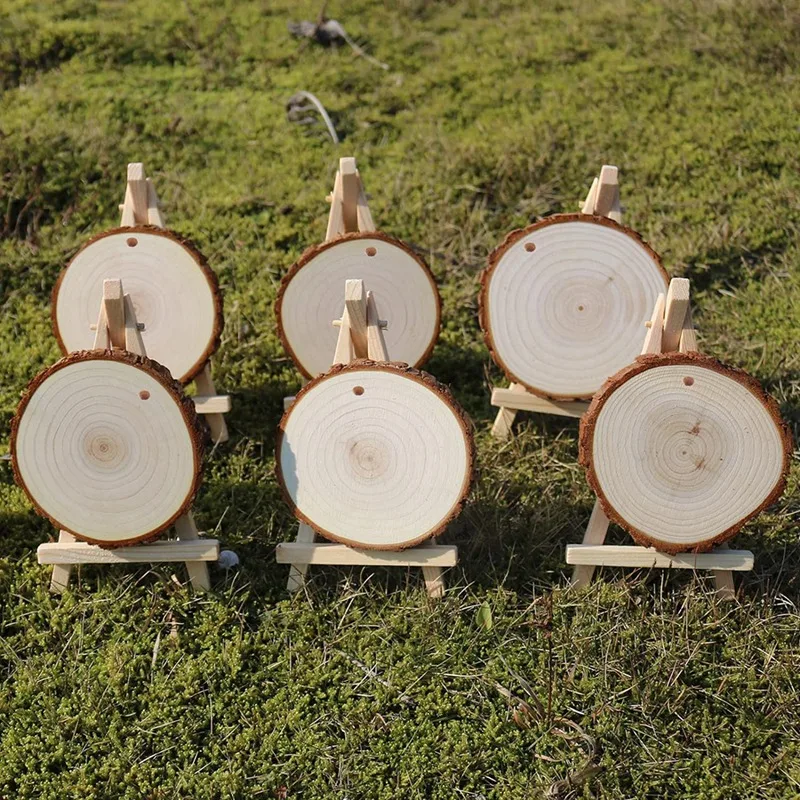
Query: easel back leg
(297,572)
(59,581)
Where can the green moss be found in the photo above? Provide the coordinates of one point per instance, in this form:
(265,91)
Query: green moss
(490,115)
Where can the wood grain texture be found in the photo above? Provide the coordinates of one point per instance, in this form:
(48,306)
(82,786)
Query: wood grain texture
(310,298)
(375,455)
(175,294)
(682,450)
(107,447)
(563,316)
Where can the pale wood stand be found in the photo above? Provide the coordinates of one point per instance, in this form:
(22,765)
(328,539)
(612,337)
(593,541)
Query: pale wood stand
(360,335)
(117,328)
(669,329)
(141,207)
(602,200)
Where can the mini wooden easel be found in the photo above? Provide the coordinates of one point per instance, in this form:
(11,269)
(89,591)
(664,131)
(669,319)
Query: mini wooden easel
(117,328)
(669,329)
(360,335)
(349,210)
(349,214)
(602,200)
(141,207)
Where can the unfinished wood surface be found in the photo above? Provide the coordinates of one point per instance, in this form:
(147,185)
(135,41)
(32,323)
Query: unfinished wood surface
(649,558)
(375,455)
(563,303)
(517,400)
(310,298)
(155,552)
(107,447)
(305,553)
(682,450)
(175,295)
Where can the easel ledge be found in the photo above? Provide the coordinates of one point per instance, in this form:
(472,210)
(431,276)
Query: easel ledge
(142,207)
(360,332)
(117,327)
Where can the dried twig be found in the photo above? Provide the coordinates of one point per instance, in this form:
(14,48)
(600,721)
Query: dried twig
(297,109)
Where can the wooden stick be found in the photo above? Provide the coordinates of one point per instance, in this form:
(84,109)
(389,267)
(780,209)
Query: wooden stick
(588,556)
(355,302)
(212,406)
(595,534)
(136,190)
(114,307)
(517,399)
(677,305)
(688,343)
(351,186)
(301,554)
(101,340)
(591,197)
(133,338)
(59,580)
(344,345)
(300,558)
(154,216)
(376,346)
(335,217)
(186,531)
(365,223)
(155,552)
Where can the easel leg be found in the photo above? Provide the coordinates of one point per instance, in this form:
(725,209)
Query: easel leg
(723,581)
(216,422)
(595,534)
(434,581)
(59,581)
(506,416)
(297,572)
(186,530)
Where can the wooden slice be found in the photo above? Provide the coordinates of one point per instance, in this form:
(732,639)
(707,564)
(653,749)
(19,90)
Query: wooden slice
(311,296)
(175,296)
(682,450)
(375,455)
(107,447)
(563,303)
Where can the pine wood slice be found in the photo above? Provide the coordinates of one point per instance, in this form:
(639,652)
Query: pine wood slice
(175,295)
(375,455)
(312,296)
(564,302)
(107,447)
(682,450)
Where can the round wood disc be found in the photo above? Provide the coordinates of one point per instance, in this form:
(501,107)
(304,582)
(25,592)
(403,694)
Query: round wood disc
(175,295)
(563,303)
(107,447)
(682,450)
(311,296)
(375,455)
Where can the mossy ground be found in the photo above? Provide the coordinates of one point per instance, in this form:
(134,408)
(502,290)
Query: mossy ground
(490,115)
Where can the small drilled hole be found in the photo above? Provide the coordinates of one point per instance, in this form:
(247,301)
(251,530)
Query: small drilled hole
(580,308)
(371,251)
(132,242)
(144,394)
(688,381)
(530,246)
(358,390)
